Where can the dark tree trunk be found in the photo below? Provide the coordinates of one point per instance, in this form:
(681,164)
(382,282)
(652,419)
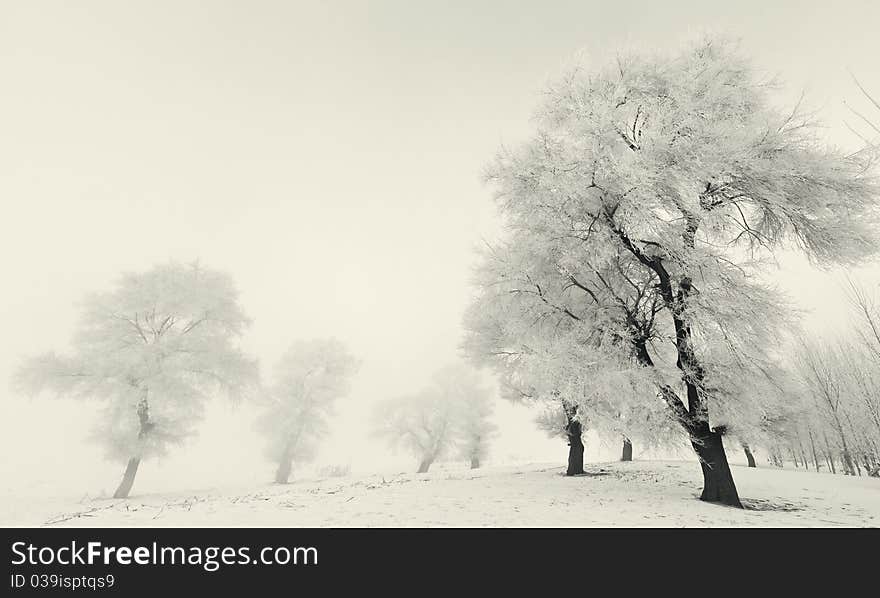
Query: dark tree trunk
(285,462)
(475,462)
(718,484)
(627,454)
(575,454)
(718,480)
(574,430)
(425,465)
(144,428)
(127,478)
(285,466)
(749,456)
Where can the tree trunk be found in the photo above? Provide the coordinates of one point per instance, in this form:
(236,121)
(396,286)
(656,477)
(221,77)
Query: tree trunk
(285,466)
(425,465)
(813,449)
(718,481)
(749,456)
(849,468)
(144,427)
(804,457)
(627,454)
(718,484)
(127,478)
(575,448)
(475,462)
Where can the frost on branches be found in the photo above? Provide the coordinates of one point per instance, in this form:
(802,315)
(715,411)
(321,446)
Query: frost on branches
(152,351)
(309,378)
(637,216)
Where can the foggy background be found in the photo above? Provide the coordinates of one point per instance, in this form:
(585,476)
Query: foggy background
(328,157)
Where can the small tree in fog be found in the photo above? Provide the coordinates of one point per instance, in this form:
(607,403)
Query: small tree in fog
(474,408)
(451,413)
(152,350)
(421,424)
(309,379)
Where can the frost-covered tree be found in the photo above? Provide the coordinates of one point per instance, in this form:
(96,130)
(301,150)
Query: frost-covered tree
(452,412)
(309,379)
(421,424)
(567,341)
(473,409)
(152,350)
(678,174)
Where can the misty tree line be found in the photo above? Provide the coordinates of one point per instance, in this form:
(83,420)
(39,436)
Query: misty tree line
(833,422)
(626,296)
(158,346)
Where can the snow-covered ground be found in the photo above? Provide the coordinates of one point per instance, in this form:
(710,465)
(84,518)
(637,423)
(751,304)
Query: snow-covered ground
(640,493)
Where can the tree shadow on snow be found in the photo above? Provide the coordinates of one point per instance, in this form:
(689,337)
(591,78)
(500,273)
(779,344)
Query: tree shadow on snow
(760,504)
(587,474)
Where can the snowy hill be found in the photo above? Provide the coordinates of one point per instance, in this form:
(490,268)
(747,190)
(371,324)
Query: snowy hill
(640,493)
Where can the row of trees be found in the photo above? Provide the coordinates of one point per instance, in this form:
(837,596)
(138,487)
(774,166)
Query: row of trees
(639,219)
(159,345)
(835,420)
(626,295)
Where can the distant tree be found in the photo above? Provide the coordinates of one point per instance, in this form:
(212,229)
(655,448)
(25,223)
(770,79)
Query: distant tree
(421,424)
(679,175)
(750,458)
(309,379)
(473,411)
(153,350)
(452,412)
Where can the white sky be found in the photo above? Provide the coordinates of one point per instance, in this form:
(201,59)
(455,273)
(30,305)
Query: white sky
(328,157)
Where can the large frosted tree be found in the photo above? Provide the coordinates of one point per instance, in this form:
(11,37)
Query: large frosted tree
(679,175)
(152,350)
(309,379)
